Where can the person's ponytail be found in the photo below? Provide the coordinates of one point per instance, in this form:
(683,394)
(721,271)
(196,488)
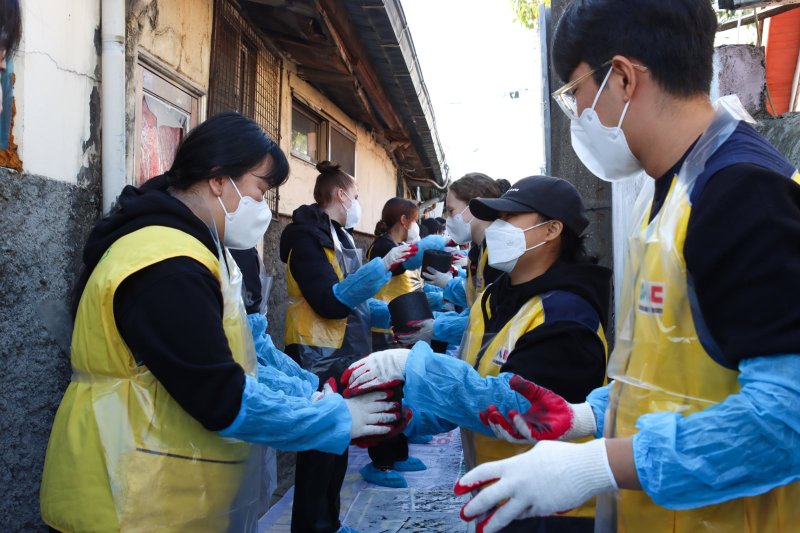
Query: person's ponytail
(381,228)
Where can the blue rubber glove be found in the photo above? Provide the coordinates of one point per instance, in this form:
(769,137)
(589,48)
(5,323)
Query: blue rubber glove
(362,284)
(379,314)
(598,399)
(431,242)
(290,423)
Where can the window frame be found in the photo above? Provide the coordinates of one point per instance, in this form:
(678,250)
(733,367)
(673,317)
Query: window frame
(321,150)
(158,80)
(325,126)
(347,135)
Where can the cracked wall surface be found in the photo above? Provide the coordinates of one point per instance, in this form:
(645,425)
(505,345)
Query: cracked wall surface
(57,77)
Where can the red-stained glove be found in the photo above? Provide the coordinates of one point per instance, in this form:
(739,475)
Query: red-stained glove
(550,417)
(423,331)
(406,415)
(377,371)
(398,255)
(549,478)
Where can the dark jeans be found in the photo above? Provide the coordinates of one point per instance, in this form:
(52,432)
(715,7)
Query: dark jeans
(318,481)
(388,452)
(551,524)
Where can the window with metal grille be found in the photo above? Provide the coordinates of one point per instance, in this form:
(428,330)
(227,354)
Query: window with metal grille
(245,74)
(317,138)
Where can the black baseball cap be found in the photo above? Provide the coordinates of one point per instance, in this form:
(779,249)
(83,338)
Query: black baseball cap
(555,198)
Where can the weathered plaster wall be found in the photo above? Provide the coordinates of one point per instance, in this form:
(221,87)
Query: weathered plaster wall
(46,222)
(178,34)
(57,87)
(375,172)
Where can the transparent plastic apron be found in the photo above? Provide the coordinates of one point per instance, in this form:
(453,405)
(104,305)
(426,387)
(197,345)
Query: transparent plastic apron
(658,363)
(146,484)
(357,342)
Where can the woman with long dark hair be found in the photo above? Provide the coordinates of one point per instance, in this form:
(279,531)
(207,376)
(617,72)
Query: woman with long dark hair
(159,425)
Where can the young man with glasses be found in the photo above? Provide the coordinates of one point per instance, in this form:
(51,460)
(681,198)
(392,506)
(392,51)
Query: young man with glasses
(702,422)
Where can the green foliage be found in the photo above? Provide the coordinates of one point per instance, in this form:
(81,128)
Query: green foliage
(526,12)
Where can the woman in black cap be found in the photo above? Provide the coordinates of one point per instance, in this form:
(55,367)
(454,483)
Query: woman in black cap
(543,319)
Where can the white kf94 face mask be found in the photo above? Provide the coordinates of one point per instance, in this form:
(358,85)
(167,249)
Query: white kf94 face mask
(603,150)
(353,213)
(413,233)
(506,244)
(459,229)
(247,224)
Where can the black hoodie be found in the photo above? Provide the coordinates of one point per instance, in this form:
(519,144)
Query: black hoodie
(170,314)
(565,353)
(306,239)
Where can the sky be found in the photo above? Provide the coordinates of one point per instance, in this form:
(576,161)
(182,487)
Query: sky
(472,55)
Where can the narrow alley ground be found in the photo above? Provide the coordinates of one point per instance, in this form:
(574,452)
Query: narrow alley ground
(428,505)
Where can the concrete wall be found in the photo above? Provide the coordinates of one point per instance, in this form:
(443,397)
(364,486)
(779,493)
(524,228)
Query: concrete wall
(740,70)
(784,133)
(376,174)
(565,164)
(47,211)
(56,90)
(46,222)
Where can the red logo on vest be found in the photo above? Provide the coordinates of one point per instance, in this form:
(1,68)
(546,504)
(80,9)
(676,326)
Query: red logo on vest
(651,298)
(501,357)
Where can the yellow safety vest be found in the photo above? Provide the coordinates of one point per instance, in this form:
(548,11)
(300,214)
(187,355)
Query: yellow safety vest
(488,358)
(477,284)
(123,455)
(397,286)
(660,365)
(306,328)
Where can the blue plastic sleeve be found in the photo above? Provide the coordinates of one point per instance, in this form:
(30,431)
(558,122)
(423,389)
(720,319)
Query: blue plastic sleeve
(442,387)
(744,446)
(456,292)
(362,284)
(290,423)
(275,368)
(450,327)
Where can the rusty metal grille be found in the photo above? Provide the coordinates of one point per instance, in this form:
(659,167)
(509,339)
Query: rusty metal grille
(245,74)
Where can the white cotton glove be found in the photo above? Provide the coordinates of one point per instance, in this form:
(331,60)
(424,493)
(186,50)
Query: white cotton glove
(461,261)
(423,332)
(327,389)
(380,370)
(369,412)
(398,255)
(439,279)
(552,477)
(550,417)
